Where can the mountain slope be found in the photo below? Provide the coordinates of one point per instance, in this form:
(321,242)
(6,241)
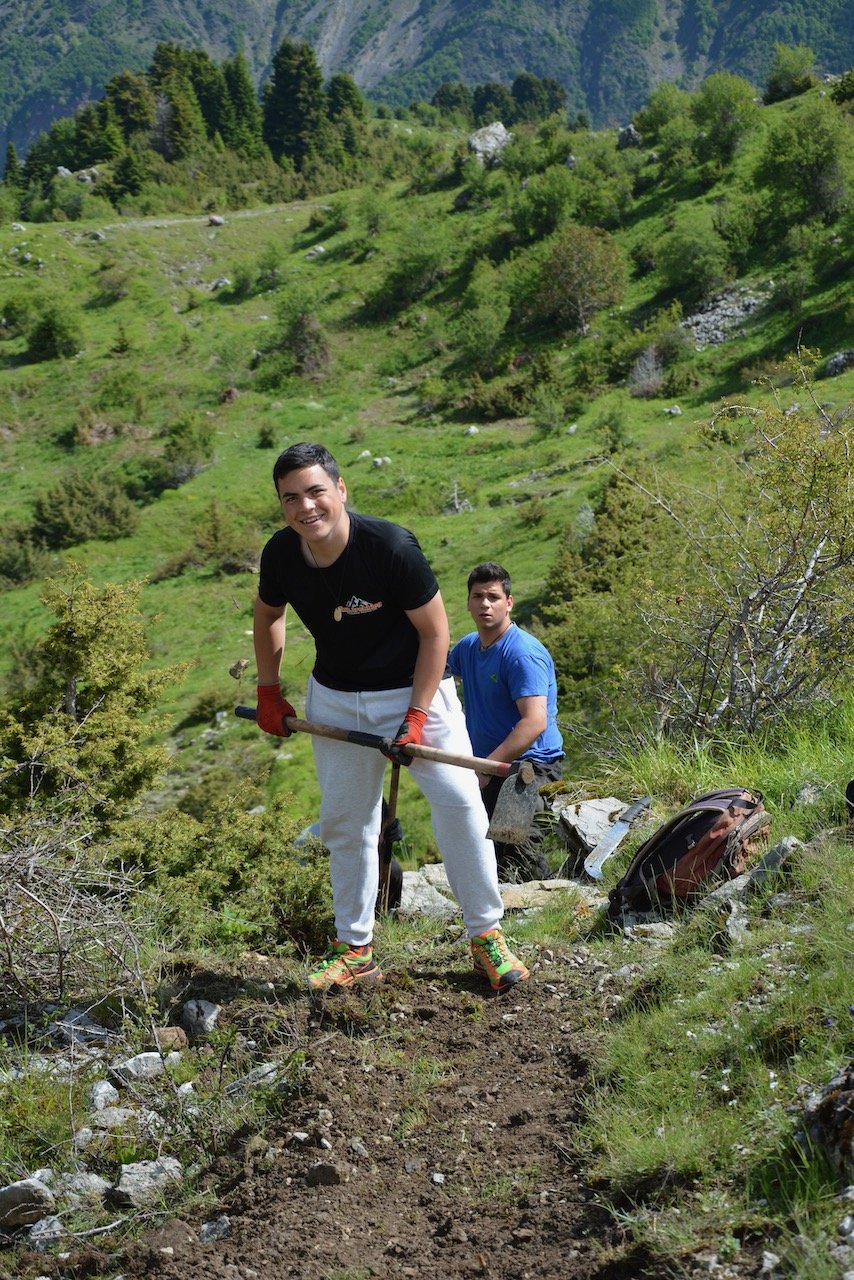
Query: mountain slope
(57,54)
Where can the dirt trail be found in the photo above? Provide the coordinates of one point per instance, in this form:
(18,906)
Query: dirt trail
(438,1120)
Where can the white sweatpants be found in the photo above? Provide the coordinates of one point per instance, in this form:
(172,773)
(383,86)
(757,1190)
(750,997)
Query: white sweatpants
(351,784)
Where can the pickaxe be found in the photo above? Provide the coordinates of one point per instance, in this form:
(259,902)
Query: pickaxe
(516,804)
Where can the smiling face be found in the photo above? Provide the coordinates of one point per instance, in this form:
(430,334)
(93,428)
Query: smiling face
(490,606)
(313,506)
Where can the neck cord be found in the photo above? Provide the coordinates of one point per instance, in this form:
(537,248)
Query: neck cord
(337,612)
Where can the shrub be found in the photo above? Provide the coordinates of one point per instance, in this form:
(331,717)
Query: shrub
(791,73)
(220,543)
(793,286)
(17,312)
(665,103)
(188,449)
(583,273)
(808,162)
(610,427)
(484,312)
(693,259)
(546,203)
(114,283)
(270,272)
(738,223)
(723,108)
(229,876)
(21,558)
(843,90)
(54,334)
(421,263)
(547,412)
(81,506)
(298,346)
(646,377)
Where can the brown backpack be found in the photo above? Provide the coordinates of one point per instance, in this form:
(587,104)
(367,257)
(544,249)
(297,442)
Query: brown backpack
(712,838)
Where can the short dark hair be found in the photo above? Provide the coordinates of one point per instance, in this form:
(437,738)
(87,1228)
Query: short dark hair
(299,456)
(490,572)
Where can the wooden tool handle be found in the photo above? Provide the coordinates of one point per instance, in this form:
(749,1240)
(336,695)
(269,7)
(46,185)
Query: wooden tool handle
(496,768)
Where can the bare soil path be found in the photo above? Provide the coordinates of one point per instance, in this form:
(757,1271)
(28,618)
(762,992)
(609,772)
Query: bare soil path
(433,1137)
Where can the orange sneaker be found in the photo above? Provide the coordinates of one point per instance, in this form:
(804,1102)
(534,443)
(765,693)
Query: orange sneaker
(345,966)
(494,960)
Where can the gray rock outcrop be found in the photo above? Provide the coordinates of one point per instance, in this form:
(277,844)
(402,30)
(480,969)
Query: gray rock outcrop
(488,143)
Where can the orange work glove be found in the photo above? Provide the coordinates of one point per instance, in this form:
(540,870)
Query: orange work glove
(410,731)
(272,709)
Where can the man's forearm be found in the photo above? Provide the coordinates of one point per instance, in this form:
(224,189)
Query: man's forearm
(515,744)
(531,723)
(429,669)
(269,637)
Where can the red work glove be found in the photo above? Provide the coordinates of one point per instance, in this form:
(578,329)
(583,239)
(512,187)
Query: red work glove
(410,731)
(272,709)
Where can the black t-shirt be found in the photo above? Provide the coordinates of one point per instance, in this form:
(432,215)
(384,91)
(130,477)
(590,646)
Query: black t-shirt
(381,573)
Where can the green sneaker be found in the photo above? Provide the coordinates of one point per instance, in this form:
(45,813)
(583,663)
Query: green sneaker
(494,960)
(345,966)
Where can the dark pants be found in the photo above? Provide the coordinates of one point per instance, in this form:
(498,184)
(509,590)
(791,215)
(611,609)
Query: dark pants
(524,861)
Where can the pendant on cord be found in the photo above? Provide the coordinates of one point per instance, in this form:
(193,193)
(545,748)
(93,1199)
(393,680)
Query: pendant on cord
(336,613)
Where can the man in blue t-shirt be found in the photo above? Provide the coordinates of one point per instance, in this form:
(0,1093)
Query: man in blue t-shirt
(510,702)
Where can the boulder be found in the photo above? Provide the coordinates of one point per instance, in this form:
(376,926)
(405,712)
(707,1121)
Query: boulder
(628,136)
(488,143)
(25,1202)
(583,824)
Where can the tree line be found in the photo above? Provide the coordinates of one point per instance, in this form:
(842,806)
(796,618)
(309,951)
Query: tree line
(185,104)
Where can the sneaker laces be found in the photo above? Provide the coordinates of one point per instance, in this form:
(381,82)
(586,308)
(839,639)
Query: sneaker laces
(492,945)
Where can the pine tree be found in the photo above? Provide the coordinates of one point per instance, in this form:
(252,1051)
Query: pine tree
(132,101)
(180,125)
(454,98)
(247,136)
(12,173)
(294,104)
(129,174)
(79,728)
(343,98)
(493,101)
(214,100)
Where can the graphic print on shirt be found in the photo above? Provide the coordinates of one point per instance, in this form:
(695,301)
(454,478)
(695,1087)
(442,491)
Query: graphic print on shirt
(357,605)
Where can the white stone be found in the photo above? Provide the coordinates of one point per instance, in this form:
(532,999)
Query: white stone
(115,1118)
(419,897)
(488,143)
(143,1066)
(585,822)
(146,1181)
(198,1017)
(46,1232)
(76,1188)
(102,1094)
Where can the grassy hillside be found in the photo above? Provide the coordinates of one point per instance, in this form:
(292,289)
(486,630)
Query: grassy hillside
(169,316)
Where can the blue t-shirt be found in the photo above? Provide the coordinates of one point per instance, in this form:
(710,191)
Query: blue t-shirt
(516,666)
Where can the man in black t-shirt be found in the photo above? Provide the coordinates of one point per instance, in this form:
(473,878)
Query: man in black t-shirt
(365,591)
